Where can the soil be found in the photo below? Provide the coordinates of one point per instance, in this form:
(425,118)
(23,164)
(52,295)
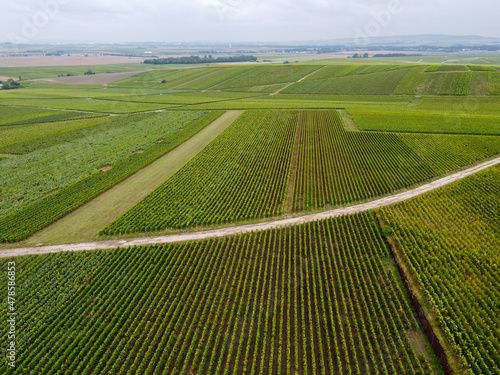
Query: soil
(105,168)
(386,201)
(73,60)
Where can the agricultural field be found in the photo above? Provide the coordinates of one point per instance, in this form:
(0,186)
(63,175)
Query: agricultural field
(198,152)
(448,240)
(46,191)
(320,298)
(270,163)
(243,174)
(416,120)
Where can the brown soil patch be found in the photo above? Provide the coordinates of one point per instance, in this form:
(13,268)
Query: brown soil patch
(105,168)
(55,191)
(96,79)
(418,342)
(140,151)
(160,140)
(5,78)
(73,60)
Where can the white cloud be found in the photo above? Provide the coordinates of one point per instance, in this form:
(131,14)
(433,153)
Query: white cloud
(232,20)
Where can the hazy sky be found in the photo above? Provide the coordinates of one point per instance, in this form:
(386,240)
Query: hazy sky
(241,20)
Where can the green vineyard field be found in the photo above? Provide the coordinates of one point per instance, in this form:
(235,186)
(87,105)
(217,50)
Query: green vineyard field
(50,207)
(245,173)
(449,240)
(321,298)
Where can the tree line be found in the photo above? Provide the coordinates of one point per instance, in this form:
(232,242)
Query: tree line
(201,60)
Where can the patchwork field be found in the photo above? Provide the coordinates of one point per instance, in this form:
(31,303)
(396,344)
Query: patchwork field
(180,150)
(273,162)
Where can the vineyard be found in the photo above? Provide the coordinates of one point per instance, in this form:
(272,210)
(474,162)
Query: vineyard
(449,241)
(29,218)
(321,298)
(247,172)
(243,173)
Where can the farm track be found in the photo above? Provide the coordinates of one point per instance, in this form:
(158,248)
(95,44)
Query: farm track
(386,201)
(292,83)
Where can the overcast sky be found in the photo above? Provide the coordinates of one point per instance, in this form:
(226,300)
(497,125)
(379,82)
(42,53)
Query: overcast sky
(241,20)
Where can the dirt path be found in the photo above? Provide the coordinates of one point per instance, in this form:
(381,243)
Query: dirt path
(291,83)
(85,222)
(386,201)
(291,185)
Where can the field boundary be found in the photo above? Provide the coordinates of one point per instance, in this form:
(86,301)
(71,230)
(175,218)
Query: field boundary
(87,220)
(291,183)
(386,201)
(426,325)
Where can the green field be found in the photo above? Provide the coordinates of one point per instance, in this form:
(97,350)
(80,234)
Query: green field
(247,172)
(185,149)
(449,240)
(269,302)
(54,186)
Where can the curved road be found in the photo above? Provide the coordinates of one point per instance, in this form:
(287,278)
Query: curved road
(386,201)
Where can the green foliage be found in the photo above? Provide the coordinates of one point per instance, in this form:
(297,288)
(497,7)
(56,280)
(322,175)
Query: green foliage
(29,138)
(456,84)
(333,166)
(381,83)
(449,240)
(240,175)
(448,152)
(481,68)
(268,75)
(494,83)
(453,68)
(428,121)
(314,298)
(411,83)
(35,216)
(10,84)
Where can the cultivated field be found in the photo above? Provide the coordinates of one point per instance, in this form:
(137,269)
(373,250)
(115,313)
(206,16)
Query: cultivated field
(322,298)
(178,151)
(449,241)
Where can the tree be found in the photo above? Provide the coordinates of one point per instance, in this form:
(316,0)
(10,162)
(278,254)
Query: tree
(10,84)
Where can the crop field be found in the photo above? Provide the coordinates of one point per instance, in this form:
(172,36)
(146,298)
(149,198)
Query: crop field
(52,186)
(28,115)
(332,166)
(426,121)
(161,156)
(449,241)
(379,83)
(320,298)
(243,174)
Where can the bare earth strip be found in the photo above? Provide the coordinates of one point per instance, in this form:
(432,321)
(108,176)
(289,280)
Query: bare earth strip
(386,201)
(291,83)
(88,220)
